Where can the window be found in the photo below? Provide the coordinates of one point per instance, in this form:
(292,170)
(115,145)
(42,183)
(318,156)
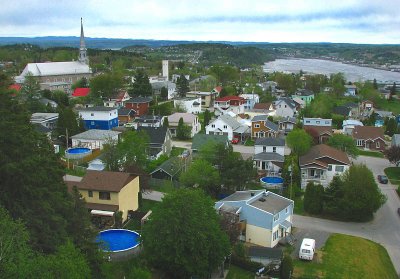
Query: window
(274,149)
(92,114)
(212,126)
(256,125)
(92,123)
(378,144)
(329,167)
(276,217)
(90,194)
(285,106)
(264,149)
(360,142)
(275,235)
(286,210)
(326,122)
(104,196)
(318,122)
(307,121)
(339,168)
(225,127)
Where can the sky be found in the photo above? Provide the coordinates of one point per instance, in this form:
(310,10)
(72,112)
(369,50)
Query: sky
(349,21)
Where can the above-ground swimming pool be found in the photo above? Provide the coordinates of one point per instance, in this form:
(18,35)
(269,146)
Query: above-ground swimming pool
(77,152)
(118,240)
(272,181)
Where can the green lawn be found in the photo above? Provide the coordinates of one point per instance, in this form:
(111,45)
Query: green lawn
(393,106)
(164,186)
(393,173)
(370,153)
(176,151)
(347,256)
(148,205)
(76,172)
(238,273)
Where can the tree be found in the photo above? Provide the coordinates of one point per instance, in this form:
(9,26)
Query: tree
(207,117)
(286,267)
(182,86)
(67,120)
(165,122)
(392,91)
(299,141)
(105,85)
(333,196)
(203,175)
(81,83)
(193,242)
(141,86)
(182,131)
(111,156)
(313,198)
(337,82)
(393,154)
(132,149)
(164,93)
(344,143)
(391,127)
(30,89)
(375,84)
(224,73)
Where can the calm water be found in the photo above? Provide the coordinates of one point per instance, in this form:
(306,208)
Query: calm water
(351,72)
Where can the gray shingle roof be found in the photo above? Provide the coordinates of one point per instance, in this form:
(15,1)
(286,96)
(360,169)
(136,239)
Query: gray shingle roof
(230,121)
(97,109)
(125,111)
(270,141)
(156,134)
(271,125)
(288,101)
(200,139)
(95,134)
(139,100)
(269,156)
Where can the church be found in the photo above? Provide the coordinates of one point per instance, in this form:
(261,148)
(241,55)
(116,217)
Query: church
(60,75)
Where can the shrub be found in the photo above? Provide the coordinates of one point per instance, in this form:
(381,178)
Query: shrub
(286,267)
(313,198)
(245,264)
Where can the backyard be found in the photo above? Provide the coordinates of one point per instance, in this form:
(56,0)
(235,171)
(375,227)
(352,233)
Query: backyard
(393,173)
(345,256)
(370,153)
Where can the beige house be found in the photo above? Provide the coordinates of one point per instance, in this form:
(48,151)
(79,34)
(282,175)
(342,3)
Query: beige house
(207,98)
(189,119)
(107,191)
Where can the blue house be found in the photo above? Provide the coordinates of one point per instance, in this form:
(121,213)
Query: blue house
(103,118)
(264,217)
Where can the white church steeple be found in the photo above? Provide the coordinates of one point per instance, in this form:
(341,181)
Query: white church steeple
(82,48)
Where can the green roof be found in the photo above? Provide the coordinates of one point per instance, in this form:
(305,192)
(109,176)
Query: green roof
(172,166)
(201,139)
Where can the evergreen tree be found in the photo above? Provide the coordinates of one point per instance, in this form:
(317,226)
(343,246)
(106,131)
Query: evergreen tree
(391,127)
(313,198)
(67,120)
(182,131)
(30,89)
(392,90)
(165,122)
(182,86)
(207,117)
(375,84)
(164,93)
(141,86)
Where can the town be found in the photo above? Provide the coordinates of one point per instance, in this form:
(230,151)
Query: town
(135,166)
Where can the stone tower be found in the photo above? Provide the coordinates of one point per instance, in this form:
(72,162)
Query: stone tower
(83,58)
(165,69)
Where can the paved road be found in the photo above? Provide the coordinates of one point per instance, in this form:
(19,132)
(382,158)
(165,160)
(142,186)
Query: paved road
(384,229)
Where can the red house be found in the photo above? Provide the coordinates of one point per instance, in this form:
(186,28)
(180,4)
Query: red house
(139,104)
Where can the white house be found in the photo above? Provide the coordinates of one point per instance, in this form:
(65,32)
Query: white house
(287,124)
(189,105)
(269,154)
(228,104)
(317,122)
(117,100)
(349,125)
(104,118)
(94,139)
(251,100)
(188,119)
(321,163)
(285,107)
(226,125)
(46,119)
(350,90)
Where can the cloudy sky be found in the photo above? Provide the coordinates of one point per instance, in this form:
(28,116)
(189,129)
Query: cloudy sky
(349,21)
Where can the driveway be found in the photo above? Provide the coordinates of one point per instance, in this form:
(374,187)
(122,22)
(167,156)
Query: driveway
(383,229)
(320,238)
(153,195)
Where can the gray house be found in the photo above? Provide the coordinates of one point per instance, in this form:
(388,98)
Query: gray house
(160,140)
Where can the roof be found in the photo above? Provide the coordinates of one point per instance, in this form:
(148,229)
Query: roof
(230,121)
(262,106)
(342,110)
(81,92)
(304,92)
(188,118)
(242,195)
(317,152)
(97,109)
(270,141)
(139,99)
(41,129)
(269,156)
(271,203)
(384,113)
(218,89)
(265,252)
(105,180)
(56,68)
(125,111)
(38,117)
(156,134)
(148,119)
(119,95)
(367,132)
(288,101)
(271,125)
(95,134)
(314,130)
(172,166)
(104,207)
(288,119)
(201,139)
(229,98)
(352,122)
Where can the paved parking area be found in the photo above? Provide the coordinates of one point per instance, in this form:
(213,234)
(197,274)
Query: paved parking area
(319,236)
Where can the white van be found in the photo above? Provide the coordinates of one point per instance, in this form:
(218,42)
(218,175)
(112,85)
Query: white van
(307,249)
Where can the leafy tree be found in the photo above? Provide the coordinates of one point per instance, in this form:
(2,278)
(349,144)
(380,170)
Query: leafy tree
(182,86)
(132,149)
(207,117)
(375,84)
(203,175)
(164,93)
(337,82)
(141,86)
(299,141)
(182,130)
(193,242)
(393,154)
(316,82)
(105,85)
(391,127)
(224,73)
(291,174)
(392,90)
(81,83)
(313,198)
(344,143)
(111,156)
(60,97)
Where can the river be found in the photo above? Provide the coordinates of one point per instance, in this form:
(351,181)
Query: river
(326,67)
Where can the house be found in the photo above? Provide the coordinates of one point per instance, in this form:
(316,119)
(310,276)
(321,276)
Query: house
(109,191)
(367,105)
(351,90)
(299,102)
(261,127)
(80,92)
(117,100)
(369,137)
(396,140)
(160,140)
(287,124)
(189,105)
(264,217)
(347,110)
(305,95)
(94,139)
(321,163)
(48,103)
(227,125)
(285,107)
(317,122)
(103,118)
(125,115)
(42,130)
(318,128)
(139,104)
(200,140)
(148,121)
(269,154)
(170,169)
(170,86)
(384,113)
(189,119)
(46,119)
(348,126)
(251,100)
(207,98)
(227,104)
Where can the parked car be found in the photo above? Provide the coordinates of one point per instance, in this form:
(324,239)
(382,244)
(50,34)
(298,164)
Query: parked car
(235,140)
(307,249)
(383,179)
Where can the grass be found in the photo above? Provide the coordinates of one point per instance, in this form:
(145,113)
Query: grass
(370,153)
(239,273)
(393,106)
(393,173)
(345,256)
(76,172)
(176,151)
(148,205)
(249,142)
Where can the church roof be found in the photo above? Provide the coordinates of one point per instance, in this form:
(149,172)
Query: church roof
(56,68)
